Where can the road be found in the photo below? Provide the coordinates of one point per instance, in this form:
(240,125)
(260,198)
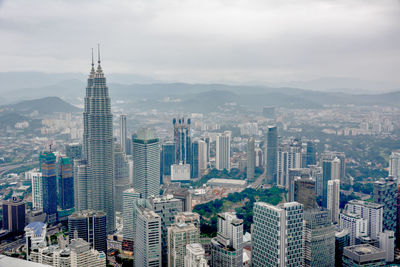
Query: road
(8,167)
(259,181)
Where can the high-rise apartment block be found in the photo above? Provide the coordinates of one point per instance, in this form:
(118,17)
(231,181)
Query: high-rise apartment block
(385,193)
(90,226)
(98,146)
(394,164)
(14,215)
(227,247)
(319,238)
(370,211)
(271,154)
(147,238)
(334,199)
(83,255)
(277,238)
(37,194)
(289,157)
(35,235)
(356,225)
(179,236)
(223,152)
(146,168)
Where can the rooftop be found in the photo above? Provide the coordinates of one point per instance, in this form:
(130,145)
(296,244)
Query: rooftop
(365,204)
(37,227)
(364,249)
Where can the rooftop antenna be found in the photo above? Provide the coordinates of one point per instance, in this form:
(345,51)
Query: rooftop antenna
(98,50)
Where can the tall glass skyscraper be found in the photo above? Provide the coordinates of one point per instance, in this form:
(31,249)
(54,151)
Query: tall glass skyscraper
(98,145)
(65,183)
(49,185)
(271,154)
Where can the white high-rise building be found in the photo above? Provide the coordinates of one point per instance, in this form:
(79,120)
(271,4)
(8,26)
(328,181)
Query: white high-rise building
(179,236)
(223,152)
(83,255)
(146,167)
(35,236)
(335,171)
(123,132)
(195,256)
(334,199)
(203,162)
(128,197)
(386,242)
(147,238)
(356,225)
(277,238)
(36,179)
(370,211)
(227,247)
(394,164)
(289,157)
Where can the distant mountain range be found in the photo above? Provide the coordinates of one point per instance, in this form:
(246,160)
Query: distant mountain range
(178,96)
(43,106)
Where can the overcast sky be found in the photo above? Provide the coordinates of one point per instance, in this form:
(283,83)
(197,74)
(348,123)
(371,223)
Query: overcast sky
(256,41)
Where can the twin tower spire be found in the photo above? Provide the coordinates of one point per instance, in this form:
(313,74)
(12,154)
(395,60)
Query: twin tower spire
(99,69)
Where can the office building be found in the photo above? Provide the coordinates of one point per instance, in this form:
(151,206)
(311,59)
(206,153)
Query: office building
(271,154)
(73,151)
(199,158)
(290,177)
(129,196)
(370,211)
(182,140)
(146,168)
(363,255)
(316,174)
(179,236)
(330,171)
(277,236)
(385,193)
(195,256)
(342,240)
(123,133)
(394,164)
(147,238)
(35,236)
(14,215)
(82,255)
(65,183)
(334,199)
(167,158)
(319,238)
(81,178)
(288,157)
(311,154)
(166,207)
(386,242)
(331,155)
(37,195)
(223,153)
(356,225)
(90,226)
(47,161)
(251,158)
(227,247)
(304,192)
(98,146)
(121,174)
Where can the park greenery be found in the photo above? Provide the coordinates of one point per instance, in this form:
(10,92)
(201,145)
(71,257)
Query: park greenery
(240,202)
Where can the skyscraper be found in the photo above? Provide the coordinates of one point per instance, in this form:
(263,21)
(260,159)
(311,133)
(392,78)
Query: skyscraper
(304,192)
(385,193)
(333,199)
(288,157)
(98,145)
(182,140)
(277,238)
(146,168)
(342,240)
(319,239)
(129,196)
(147,238)
(271,154)
(65,183)
(121,174)
(123,132)
(354,223)
(251,159)
(14,215)
(90,226)
(49,185)
(330,171)
(194,165)
(227,247)
(168,158)
(331,155)
(223,153)
(81,178)
(311,158)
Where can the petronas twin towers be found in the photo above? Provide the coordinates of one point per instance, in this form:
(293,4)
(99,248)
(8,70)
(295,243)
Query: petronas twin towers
(98,145)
